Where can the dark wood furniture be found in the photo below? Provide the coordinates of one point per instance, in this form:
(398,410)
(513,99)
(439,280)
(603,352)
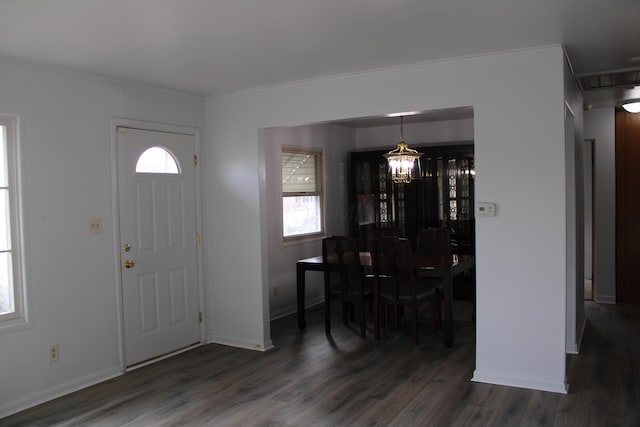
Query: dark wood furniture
(344,280)
(434,241)
(396,285)
(442,197)
(425,266)
(445,269)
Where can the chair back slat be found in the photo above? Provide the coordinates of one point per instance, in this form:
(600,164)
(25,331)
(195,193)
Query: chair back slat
(344,280)
(392,260)
(342,258)
(396,283)
(434,241)
(433,246)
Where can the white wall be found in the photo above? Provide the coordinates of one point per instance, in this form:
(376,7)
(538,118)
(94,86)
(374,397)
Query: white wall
(335,141)
(574,159)
(599,125)
(521,253)
(71,275)
(440,132)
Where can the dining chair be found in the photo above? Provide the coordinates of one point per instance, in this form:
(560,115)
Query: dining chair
(434,244)
(433,241)
(396,285)
(344,280)
(380,232)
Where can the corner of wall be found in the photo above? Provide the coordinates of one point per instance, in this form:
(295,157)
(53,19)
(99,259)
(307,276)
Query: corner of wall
(574,348)
(240,343)
(532,383)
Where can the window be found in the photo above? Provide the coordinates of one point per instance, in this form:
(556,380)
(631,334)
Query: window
(302,206)
(11,291)
(157,160)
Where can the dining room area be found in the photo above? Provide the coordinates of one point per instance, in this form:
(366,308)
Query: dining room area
(366,207)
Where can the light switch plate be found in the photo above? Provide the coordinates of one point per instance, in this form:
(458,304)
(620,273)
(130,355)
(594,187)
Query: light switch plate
(486,209)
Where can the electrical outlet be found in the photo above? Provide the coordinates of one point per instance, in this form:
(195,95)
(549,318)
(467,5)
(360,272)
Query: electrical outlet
(275,291)
(54,353)
(95,225)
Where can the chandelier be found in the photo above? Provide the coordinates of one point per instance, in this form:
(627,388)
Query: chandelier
(402,160)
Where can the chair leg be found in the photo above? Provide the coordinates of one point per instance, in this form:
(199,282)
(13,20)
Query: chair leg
(376,320)
(397,316)
(391,316)
(414,319)
(434,316)
(346,313)
(438,309)
(327,316)
(363,330)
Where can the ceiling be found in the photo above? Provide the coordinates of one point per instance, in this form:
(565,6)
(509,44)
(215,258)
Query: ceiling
(459,113)
(210,46)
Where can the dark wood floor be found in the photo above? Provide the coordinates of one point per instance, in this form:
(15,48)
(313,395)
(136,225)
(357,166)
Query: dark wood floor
(312,380)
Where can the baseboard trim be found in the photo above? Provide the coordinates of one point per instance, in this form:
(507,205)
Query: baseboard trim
(520,382)
(572,348)
(286,311)
(240,343)
(42,396)
(604,299)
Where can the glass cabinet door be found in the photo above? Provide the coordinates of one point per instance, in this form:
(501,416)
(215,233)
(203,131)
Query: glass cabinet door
(442,197)
(372,199)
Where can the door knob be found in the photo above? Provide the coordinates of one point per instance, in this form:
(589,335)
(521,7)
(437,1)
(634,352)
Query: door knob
(129,264)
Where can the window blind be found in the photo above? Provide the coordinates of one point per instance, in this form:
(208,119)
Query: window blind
(299,173)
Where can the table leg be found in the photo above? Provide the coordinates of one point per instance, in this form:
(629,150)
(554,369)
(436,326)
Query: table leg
(448,310)
(300,284)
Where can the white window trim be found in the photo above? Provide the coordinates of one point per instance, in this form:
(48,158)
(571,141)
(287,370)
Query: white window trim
(20,317)
(298,238)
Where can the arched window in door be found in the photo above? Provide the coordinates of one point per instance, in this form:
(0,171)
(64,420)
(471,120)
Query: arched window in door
(157,160)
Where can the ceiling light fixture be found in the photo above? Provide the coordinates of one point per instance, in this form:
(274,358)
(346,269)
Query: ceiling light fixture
(631,101)
(403,113)
(402,160)
(632,105)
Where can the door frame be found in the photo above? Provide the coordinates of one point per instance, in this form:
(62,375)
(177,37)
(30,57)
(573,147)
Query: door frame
(157,127)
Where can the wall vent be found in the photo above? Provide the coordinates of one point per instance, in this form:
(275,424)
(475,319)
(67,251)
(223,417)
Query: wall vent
(629,78)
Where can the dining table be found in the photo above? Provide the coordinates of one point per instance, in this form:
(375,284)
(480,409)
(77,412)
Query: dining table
(441,267)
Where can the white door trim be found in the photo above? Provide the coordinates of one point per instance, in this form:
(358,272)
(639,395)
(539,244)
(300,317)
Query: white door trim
(158,127)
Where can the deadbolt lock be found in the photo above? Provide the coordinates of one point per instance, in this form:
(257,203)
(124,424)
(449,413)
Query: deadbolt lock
(127,247)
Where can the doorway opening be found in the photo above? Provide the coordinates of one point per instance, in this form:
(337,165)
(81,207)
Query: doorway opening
(589,163)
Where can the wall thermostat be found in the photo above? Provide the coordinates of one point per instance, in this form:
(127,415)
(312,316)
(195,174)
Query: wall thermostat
(486,209)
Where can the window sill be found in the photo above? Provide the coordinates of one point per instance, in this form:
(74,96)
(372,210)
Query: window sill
(12,325)
(312,238)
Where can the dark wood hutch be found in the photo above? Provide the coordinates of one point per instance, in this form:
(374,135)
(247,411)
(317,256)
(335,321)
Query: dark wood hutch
(443,196)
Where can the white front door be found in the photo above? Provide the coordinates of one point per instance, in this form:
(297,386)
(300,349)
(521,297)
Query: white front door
(158,254)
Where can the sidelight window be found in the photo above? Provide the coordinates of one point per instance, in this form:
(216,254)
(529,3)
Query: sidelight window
(12,301)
